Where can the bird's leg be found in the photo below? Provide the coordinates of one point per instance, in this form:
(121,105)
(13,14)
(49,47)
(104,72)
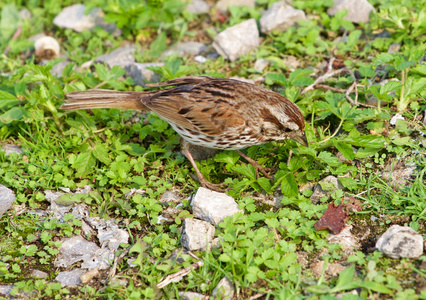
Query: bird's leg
(201,178)
(255,165)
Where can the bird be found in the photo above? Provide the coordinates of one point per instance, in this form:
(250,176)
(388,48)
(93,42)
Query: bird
(207,111)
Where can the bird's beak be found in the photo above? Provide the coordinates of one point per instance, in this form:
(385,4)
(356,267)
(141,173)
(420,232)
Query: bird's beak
(301,139)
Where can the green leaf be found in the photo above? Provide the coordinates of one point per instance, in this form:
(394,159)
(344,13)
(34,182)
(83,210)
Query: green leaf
(329,159)
(390,86)
(158,46)
(289,185)
(370,141)
(13,114)
(9,22)
(247,170)
(100,151)
(277,78)
(229,157)
(300,77)
(375,286)
(265,184)
(84,163)
(402,141)
(7,99)
(345,149)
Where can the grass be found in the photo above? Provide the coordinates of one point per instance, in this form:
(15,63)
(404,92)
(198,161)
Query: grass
(267,250)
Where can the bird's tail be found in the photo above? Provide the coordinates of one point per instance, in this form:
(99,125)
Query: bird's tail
(104,99)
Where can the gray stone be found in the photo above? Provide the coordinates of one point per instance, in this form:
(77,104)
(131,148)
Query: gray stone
(237,40)
(141,75)
(185,48)
(191,296)
(9,149)
(73,17)
(213,207)
(358,10)
(350,243)
(223,5)
(73,250)
(5,289)
(196,234)
(198,7)
(400,177)
(7,197)
(400,242)
(122,57)
(279,17)
(394,48)
(59,68)
(39,274)
(324,188)
(109,235)
(86,277)
(200,59)
(25,14)
(169,196)
(224,290)
(70,278)
(260,64)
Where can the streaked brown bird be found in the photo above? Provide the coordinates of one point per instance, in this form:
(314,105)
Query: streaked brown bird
(210,112)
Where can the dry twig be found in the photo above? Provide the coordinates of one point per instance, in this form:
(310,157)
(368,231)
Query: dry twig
(176,277)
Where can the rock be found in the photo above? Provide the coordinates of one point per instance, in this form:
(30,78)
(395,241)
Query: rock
(224,290)
(122,57)
(7,197)
(291,62)
(346,239)
(198,7)
(73,17)
(169,196)
(324,188)
(260,64)
(70,278)
(400,242)
(200,59)
(59,68)
(400,177)
(75,249)
(191,296)
(9,149)
(358,11)
(25,14)
(39,274)
(46,48)
(109,235)
(223,5)
(237,40)
(279,17)
(85,278)
(5,290)
(213,207)
(185,48)
(196,234)
(333,269)
(141,75)
(394,48)
(133,192)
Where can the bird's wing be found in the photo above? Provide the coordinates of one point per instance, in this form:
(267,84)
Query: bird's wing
(197,103)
